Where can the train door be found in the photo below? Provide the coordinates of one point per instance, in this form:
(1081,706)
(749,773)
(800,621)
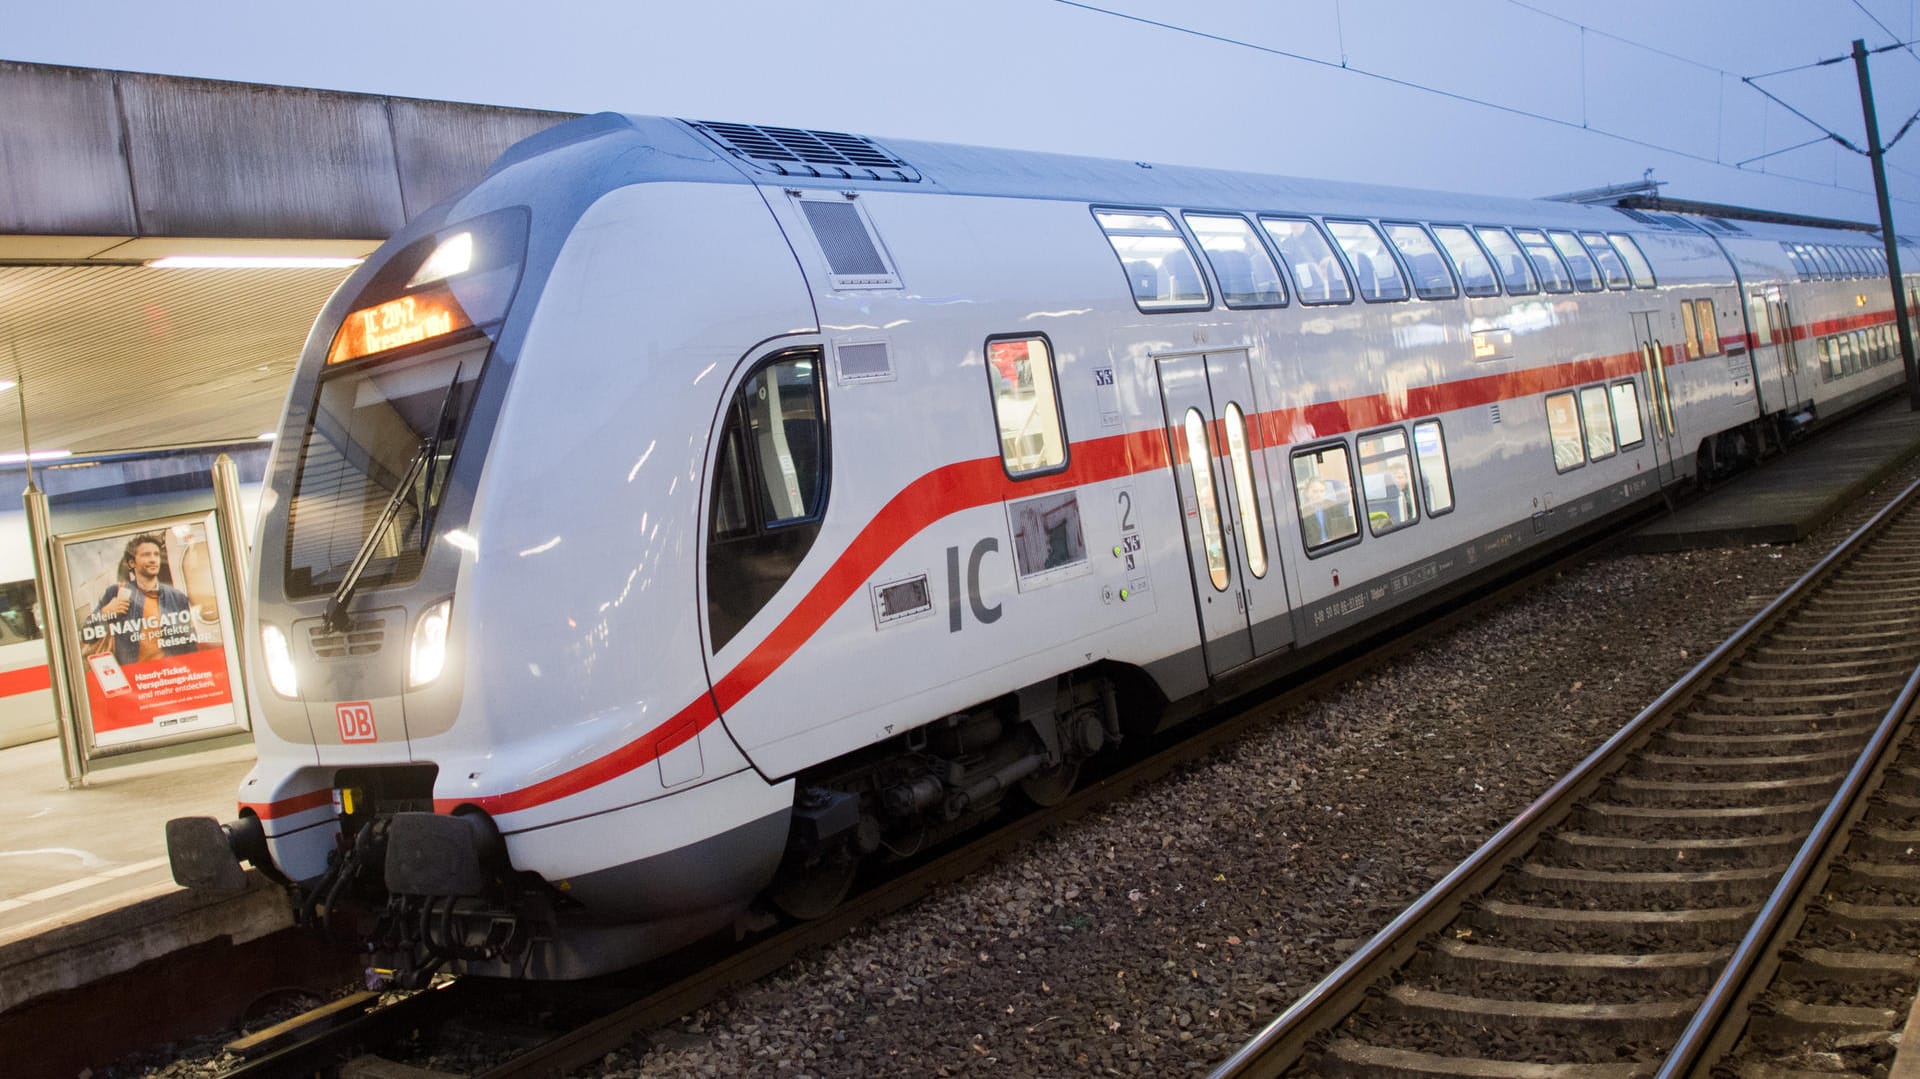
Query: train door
(1653,364)
(1226,506)
(1780,322)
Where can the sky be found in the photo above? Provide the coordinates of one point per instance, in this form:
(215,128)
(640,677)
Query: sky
(1512,97)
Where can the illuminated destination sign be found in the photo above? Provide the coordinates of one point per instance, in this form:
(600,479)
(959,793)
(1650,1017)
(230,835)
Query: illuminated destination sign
(397,323)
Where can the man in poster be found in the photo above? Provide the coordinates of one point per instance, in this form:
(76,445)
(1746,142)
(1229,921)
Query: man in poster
(146,618)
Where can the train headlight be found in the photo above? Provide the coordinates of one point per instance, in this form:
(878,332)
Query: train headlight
(279,662)
(428,655)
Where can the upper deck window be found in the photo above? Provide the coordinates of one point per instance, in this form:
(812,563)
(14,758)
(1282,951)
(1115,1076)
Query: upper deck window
(1160,267)
(1586,276)
(1317,275)
(1637,263)
(1470,259)
(1546,261)
(1373,265)
(1611,267)
(1514,274)
(1431,278)
(1247,275)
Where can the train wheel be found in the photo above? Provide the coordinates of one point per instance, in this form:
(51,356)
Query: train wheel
(811,891)
(1051,787)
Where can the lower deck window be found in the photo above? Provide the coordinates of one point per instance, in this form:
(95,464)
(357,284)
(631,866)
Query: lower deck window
(1323,492)
(1386,475)
(1563,428)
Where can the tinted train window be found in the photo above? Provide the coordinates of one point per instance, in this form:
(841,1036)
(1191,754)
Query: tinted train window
(1476,270)
(1386,476)
(1563,427)
(1546,262)
(1626,414)
(1507,259)
(769,489)
(1430,449)
(1637,263)
(1026,404)
(1586,276)
(1317,276)
(1597,413)
(1247,275)
(1373,266)
(1323,491)
(1160,267)
(1702,328)
(1431,280)
(1611,266)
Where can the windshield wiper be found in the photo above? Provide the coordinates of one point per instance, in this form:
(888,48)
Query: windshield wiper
(336,616)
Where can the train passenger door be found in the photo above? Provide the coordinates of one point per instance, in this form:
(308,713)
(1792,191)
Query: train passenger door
(1780,315)
(1653,365)
(1226,506)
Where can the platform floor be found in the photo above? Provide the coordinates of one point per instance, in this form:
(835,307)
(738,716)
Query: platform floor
(1784,501)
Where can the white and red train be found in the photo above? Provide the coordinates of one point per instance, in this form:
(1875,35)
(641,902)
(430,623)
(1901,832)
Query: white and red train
(689,512)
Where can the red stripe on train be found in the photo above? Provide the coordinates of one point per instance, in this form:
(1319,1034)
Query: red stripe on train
(25,680)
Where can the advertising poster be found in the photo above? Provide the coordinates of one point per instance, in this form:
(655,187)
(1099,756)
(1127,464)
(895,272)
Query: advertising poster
(151,622)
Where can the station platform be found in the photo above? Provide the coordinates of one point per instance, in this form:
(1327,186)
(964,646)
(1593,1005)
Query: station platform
(1788,497)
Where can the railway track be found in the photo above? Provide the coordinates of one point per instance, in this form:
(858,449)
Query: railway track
(1733,879)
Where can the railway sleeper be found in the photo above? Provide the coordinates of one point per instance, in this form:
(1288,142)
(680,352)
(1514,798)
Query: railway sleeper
(1667,764)
(1690,886)
(1629,853)
(1731,745)
(1347,1057)
(1675,929)
(1657,821)
(1719,724)
(1789,1023)
(1875,841)
(1890,677)
(1827,964)
(1865,917)
(1683,792)
(1901,779)
(1676,970)
(1866,873)
(1649,1020)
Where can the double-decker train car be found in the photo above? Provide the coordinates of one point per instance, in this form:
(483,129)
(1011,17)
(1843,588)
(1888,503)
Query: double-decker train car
(689,512)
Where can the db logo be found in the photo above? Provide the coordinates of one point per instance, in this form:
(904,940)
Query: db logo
(356,721)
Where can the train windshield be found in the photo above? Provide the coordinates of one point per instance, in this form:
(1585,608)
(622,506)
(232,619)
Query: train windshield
(371,426)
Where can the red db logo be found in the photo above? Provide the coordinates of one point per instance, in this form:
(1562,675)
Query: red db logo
(356,721)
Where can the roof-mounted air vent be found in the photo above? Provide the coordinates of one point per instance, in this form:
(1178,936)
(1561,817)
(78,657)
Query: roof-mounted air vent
(790,151)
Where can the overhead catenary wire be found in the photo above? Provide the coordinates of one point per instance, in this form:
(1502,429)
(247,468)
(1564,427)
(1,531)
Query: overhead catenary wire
(1347,66)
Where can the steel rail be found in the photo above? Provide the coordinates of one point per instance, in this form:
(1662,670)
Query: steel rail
(1283,1041)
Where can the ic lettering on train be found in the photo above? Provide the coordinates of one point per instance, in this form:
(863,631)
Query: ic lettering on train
(984,614)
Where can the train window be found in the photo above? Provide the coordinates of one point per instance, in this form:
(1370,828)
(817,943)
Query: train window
(1235,423)
(1026,402)
(1436,478)
(1828,366)
(1160,267)
(1824,259)
(1563,428)
(1691,328)
(1470,259)
(1514,275)
(1709,328)
(19,612)
(1597,415)
(1637,263)
(1611,266)
(1373,266)
(1857,261)
(1247,275)
(1586,276)
(1431,278)
(1626,414)
(1546,262)
(1317,276)
(1386,476)
(1323,492)
(1200,467)
(1794,259)
(769,489)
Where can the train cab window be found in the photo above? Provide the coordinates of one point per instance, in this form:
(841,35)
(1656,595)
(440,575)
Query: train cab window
(1373,267)
(769,489)
(1611,267)
(1247,275)
(1431,278)
(1386,477)
(1546,261)
(1469,259)
(1317,275)
(1515,277)
(1636,261)
(1709,327)
(1626,414)
(1586,276)
(1323,492)
(1436,479)
(1597,414)
(1563,428)
(1026,403)
(1245,491)
(1160,267)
